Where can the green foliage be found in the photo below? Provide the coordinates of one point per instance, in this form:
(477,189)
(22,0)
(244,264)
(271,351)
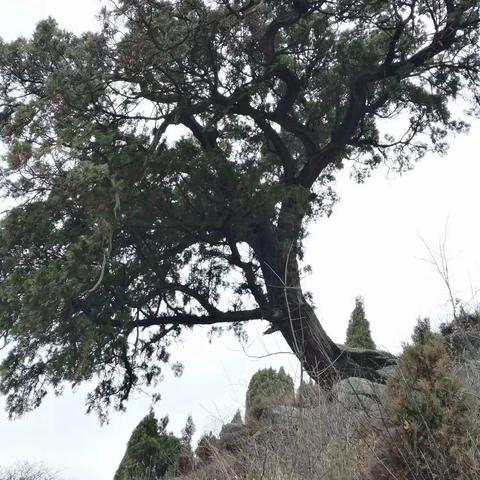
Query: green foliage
(150,449)
(358,331)
(232,437)
(188,431)
(435,438)
(237,418)
(267,388)
(119,239)
(233,434)
(185,461)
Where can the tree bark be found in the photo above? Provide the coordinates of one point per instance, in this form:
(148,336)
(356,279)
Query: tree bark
(295,318)
(324,360)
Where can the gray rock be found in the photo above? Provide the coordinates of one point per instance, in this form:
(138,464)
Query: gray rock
(280,416)
(359,393)
(389,371)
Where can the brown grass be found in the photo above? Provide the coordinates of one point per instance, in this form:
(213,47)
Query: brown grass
(334,441)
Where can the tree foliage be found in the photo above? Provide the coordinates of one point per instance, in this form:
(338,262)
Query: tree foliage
(358,331)
(268,388)
(150,449)
(237,418)
(164,170)
(427,403)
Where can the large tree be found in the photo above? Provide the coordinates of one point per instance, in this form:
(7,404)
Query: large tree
(121,237)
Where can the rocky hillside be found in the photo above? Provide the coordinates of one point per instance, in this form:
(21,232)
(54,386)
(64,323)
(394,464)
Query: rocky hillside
(423,424)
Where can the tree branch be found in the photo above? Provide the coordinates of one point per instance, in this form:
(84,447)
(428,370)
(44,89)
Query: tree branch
(187,319)
(441,41)
(249,273)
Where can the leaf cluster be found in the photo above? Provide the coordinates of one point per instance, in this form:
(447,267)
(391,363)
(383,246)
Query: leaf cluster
(151,450)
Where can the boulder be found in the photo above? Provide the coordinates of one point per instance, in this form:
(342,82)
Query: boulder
(280,416)
(360,394)
(389,371)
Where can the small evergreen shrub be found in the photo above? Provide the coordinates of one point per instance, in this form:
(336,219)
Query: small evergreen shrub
(237,418)
(267,388)
(432,438)
(185,462)
(150,449)
(358,331)
(232,437)
(233,434)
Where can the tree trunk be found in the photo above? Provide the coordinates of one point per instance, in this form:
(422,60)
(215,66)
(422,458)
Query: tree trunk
(324,360)
(294,317)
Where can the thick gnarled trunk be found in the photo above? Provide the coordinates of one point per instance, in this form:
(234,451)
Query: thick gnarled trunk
(324,360)
(294,317)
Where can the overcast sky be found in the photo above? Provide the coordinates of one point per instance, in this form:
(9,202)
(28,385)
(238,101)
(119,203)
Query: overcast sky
(371,246)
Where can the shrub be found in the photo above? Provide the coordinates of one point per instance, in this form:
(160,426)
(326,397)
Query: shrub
(358,331)
(237,418)
(462,335)
(232,436)
(267,388)
(433,437)
(185,462)
(27,471)
(150,449)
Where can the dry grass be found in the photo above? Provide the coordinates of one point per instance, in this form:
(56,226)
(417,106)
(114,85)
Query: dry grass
(334,440)
(324,441)
(331,442)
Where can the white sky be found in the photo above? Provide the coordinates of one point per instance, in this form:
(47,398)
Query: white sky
(371,246)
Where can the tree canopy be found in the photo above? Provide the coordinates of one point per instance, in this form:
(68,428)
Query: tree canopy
(164,170)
